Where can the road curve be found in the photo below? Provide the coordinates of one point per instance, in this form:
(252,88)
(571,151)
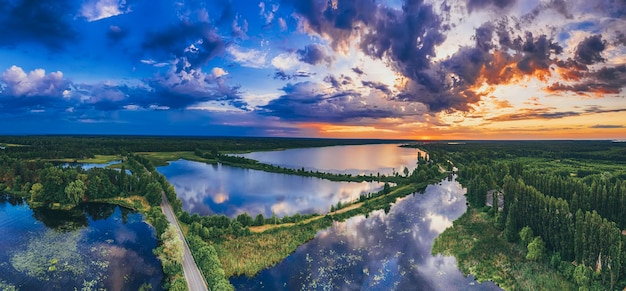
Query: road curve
(194,278)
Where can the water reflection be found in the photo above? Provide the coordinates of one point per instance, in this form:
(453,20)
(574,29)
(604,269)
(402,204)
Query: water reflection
(381,252)
(356,160)
(210,189)
(93,247)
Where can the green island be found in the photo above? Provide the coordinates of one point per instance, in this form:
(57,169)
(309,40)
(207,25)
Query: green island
(542,215)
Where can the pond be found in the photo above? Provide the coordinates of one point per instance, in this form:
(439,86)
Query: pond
(379,252)
(87,166)
(91,247)
(220,189)
(358,159)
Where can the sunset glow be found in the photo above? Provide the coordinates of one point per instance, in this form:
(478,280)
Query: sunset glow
(475,69)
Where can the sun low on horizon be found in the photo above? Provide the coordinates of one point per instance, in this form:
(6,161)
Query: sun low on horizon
(471,69)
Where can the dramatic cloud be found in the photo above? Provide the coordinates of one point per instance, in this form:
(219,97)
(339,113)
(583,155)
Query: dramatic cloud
(607,80)
(36,83)
(188,87)
(483,4)
(196,42)
(37,21)
(313,54)
(314,102)
(99,9)
(589,50)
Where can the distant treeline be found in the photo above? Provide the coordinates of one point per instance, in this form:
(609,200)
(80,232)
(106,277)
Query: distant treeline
(81,147)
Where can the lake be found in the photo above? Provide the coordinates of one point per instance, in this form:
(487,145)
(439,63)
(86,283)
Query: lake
(379,252)
(220,189)
(92,246)
(355,160)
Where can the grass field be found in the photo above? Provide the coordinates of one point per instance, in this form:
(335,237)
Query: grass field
(97,159)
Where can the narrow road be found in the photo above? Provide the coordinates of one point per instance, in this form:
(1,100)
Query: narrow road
(194,278)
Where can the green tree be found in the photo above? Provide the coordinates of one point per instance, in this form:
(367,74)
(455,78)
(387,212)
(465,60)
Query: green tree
(244,219)
(179,285)
(536,249)
(582,276)
(171,251)
(526,235)
(75,191)
(35,192)
(153,193)
(259,220)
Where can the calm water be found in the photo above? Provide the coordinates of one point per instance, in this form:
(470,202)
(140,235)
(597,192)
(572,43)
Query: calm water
(95,246)
(220,189)
(358,159)
(87,166)
(382,252)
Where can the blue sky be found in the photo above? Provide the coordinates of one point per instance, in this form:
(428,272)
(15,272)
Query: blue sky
(355,68)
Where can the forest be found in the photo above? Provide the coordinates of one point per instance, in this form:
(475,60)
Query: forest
(561,202)
(549,208)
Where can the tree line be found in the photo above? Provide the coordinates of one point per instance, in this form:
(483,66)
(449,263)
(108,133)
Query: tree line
(576,224)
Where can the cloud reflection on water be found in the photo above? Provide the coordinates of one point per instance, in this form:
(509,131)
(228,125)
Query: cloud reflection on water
(210,189)
(380,252)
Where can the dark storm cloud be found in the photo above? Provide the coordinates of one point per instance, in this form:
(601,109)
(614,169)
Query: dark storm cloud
(177,40)
(282,75)
(537,51)
(308,101)
(607,80)
(549,113)
(535,113)
(467,62)
(338,82)
(39,21)
(376,85)
(606,126)
(589,50)
(405,38)
(358,71)
(313,54)
(487,4)
(185,88)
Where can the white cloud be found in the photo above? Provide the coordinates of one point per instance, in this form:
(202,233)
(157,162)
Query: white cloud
(285,61)
(36,83)
(218,72)
(100,9)
(248,57)
(153,63)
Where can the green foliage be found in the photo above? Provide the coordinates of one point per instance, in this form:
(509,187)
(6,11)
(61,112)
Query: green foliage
(207,259)
(536,249)
(526,235)
(153,193)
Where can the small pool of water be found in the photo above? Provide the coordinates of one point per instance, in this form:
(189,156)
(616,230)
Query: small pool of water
(93,246)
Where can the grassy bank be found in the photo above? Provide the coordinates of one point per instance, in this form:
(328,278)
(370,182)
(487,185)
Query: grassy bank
(247,255)
(480,250)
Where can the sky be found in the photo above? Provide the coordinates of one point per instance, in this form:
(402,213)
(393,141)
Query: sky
(465,69)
